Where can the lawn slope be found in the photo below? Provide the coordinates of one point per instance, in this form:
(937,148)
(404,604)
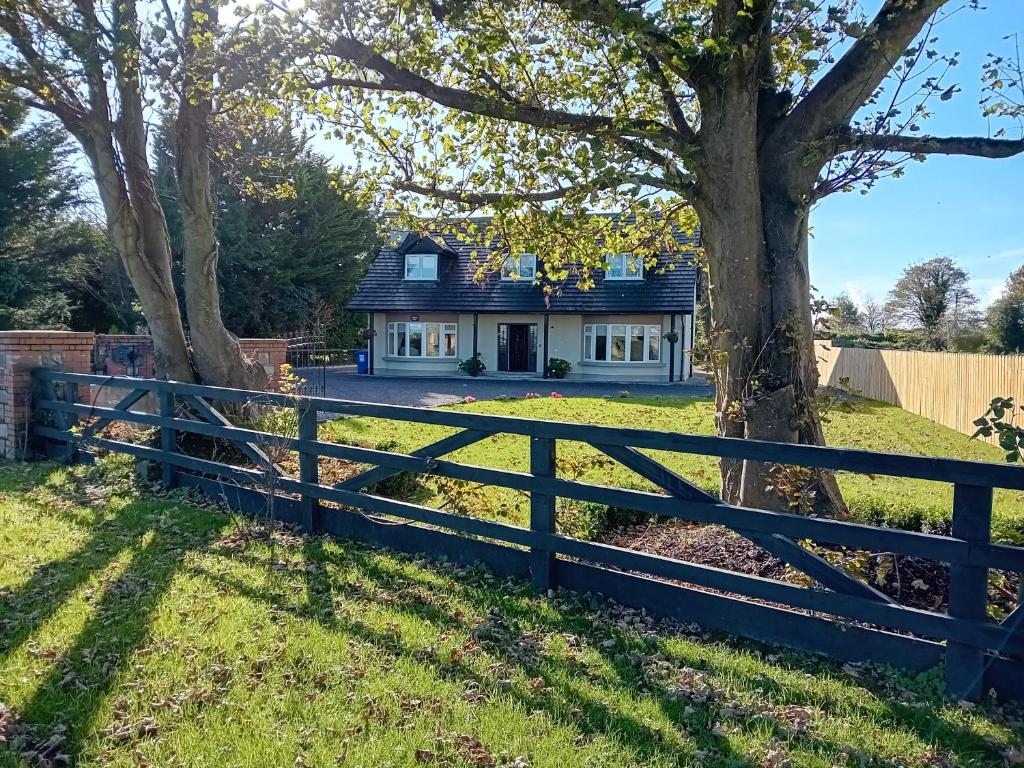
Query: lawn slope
(870,425)
(141,631)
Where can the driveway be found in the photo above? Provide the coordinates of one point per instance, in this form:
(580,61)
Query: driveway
(344,384)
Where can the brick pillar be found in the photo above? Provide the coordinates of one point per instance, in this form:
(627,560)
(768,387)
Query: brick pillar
(20,352)
(270,353)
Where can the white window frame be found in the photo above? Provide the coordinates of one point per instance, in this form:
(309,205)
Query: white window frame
(521,267)
(624,266)
(626,332)
(418,273)
(441,330)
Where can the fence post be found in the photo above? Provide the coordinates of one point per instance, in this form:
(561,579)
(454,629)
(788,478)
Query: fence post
(968,590)
(542,511)
(168,437)
(70,420)
(309,467)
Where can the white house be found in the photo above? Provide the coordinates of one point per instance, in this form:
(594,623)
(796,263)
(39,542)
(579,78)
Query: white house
(428,314)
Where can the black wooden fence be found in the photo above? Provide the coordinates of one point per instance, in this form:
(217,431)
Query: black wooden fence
(839,615)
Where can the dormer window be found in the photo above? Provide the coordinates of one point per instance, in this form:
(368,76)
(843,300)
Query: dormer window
(624,266)
(521,267)
(421,266)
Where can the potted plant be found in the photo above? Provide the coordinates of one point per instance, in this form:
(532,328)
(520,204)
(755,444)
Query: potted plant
(671,336)
(558,368)
(474,366)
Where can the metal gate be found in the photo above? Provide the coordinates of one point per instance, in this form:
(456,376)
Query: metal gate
(312,359)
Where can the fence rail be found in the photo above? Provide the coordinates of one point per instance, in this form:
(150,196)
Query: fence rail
(978,652)
(950,388)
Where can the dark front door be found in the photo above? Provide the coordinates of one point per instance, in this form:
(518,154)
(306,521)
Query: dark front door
(519,347)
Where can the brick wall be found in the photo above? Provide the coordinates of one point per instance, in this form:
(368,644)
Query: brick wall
(20,352)
(270,353)
(125,355)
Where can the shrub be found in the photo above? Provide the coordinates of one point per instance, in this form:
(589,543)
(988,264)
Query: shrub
(474,366)
(404,486)
(558,368)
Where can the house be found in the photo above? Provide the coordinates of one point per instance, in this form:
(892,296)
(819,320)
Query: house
(428,314)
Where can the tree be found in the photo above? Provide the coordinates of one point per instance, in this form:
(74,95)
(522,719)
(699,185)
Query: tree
(873,316)
(49,258)
(933,296)
(98,66)
(1006,316)
(748,110)
(292,242)
(843,315)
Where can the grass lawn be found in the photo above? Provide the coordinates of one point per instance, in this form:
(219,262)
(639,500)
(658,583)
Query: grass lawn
(915,504)
(143,631)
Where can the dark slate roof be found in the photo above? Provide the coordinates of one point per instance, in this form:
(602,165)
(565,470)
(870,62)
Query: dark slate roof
(385,288)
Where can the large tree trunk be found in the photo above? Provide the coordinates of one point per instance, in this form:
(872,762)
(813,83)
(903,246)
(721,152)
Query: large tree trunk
(216,351)
(147,261)
(755,238)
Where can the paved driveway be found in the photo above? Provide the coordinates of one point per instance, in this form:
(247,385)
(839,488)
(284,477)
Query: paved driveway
(346,385)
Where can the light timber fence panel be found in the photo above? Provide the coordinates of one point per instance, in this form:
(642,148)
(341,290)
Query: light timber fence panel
(950,388)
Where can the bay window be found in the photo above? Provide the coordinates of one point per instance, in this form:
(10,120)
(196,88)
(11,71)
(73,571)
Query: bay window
(621,343)
(422,340)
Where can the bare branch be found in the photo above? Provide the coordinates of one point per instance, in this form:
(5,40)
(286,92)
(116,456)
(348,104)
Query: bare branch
(974,146)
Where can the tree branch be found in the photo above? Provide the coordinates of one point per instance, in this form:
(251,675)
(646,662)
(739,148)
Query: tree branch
(837,96)
(634,23)
(395,78)
(558,193)
(668,95)
(974,146)
(487,198)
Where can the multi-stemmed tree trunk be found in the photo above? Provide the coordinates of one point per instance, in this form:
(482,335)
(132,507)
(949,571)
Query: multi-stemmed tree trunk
(711,102)
(59,57)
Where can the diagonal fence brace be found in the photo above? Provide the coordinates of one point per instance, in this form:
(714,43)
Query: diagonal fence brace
(434,450)
(781,547)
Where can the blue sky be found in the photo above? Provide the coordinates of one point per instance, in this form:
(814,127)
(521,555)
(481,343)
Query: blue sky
(970,209)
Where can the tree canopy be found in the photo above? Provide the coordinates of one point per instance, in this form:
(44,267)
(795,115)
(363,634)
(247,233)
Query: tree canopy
(293,244)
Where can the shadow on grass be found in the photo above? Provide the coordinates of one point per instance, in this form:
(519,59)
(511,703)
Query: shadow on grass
(73,689)
(500,618)
(567,691)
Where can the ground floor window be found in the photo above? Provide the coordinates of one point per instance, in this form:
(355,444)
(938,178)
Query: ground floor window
(622,343)
(422,339)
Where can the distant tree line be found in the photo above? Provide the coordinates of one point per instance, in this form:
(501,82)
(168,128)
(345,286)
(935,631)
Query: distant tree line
(293,246)
(931,307)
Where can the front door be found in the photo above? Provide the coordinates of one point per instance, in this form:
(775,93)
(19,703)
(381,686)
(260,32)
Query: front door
(517,347)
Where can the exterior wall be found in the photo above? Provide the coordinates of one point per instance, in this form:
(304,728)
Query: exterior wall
(385,365)
(20,352)
(565,340)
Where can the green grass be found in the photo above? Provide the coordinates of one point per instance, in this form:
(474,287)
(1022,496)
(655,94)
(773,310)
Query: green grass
(134,632)
(915,504)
